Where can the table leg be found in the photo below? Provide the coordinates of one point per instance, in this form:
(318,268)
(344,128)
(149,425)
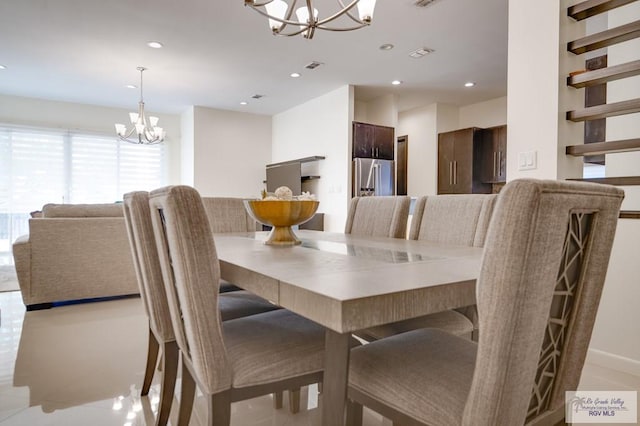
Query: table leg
(336,369)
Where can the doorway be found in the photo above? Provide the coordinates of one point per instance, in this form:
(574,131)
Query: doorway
(403,163)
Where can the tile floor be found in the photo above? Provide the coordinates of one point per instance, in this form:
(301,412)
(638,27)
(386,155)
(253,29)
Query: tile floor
(83,365)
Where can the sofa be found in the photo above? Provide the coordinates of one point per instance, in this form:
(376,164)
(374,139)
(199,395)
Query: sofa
(74,251)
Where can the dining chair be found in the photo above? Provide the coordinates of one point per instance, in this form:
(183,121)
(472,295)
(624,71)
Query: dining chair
(228,360)
(228,214)
(461,219)
(384,216)
(152,292)
(545,260)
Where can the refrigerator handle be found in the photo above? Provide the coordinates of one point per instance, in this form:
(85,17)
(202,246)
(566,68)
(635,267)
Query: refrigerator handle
(376,179)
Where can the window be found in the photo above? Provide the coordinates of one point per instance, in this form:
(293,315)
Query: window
(48,166)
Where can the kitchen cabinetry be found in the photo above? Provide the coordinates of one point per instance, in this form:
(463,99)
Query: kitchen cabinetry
(460,162)
(372,141)
(494,155)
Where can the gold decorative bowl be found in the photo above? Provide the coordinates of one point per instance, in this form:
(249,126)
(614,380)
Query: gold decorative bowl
(281,215)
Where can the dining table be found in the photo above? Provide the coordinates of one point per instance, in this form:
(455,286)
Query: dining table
(348,283)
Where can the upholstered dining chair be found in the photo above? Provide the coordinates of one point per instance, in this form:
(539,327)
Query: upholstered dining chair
(461,219)
(230,360)
(154,298)
(385,216)
(228,214)
(545,259)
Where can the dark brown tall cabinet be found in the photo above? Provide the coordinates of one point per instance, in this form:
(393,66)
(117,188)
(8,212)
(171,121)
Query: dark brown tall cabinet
(460,162)
(494,155)
(372,141)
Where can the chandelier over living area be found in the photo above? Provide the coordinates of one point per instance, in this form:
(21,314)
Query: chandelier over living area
(146,131)
(282,21)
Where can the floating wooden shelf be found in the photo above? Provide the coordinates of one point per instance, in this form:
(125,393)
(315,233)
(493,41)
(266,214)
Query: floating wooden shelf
(617,181)
(299,160)
(590,8)
(605,38)
(612,147)
(629,214)
(604,75)
(604,111)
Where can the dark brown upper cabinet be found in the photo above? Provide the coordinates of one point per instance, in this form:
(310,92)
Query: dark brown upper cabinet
(372,141)
(494,155)
(460,161)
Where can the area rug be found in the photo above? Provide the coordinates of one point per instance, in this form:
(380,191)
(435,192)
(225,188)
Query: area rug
(8,279)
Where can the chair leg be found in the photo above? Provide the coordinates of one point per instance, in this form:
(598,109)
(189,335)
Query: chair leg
(354,413)
(170,356)
(152,359)
(187,394)
(294,400)
(277,400)
(220,409)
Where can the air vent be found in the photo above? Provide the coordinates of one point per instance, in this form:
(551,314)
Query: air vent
(423,3)
(257,96)
(313,65)
(419,53)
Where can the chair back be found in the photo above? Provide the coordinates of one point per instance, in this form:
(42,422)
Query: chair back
(145,261)
(378,216)
(543,269)
(461,219)
(191,274)
(228,214)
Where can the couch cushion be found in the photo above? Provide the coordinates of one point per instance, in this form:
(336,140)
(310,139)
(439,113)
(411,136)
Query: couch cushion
(82,210)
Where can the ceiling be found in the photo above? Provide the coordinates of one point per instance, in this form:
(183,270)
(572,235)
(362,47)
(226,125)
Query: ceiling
(218,53)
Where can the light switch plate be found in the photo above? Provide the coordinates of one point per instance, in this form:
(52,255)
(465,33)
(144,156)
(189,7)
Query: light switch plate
(528,160)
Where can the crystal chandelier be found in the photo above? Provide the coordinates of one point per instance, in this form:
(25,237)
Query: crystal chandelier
(147,131)
(280,14)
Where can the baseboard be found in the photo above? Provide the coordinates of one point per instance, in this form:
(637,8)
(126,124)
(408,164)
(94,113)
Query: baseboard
(614,362)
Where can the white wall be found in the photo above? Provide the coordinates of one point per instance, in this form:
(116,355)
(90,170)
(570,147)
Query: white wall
(383,111)
(230,152)
(321,126)
(91,118)
(484,114)
(538,96)
(420,127)
(187,171)
(360,111)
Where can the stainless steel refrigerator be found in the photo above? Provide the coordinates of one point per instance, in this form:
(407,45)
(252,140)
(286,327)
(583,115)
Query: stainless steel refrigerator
(372,176)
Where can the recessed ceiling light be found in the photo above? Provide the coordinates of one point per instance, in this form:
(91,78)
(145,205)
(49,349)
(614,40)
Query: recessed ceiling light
(155,44)
(396,82)
(2,67)
(243,103)
(294,74)
(131,86)
(386,46)
(469,84)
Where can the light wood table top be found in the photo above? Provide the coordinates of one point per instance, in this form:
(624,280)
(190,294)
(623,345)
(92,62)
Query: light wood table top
(347,283)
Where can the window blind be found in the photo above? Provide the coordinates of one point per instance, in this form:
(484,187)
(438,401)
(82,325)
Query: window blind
(39,166)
